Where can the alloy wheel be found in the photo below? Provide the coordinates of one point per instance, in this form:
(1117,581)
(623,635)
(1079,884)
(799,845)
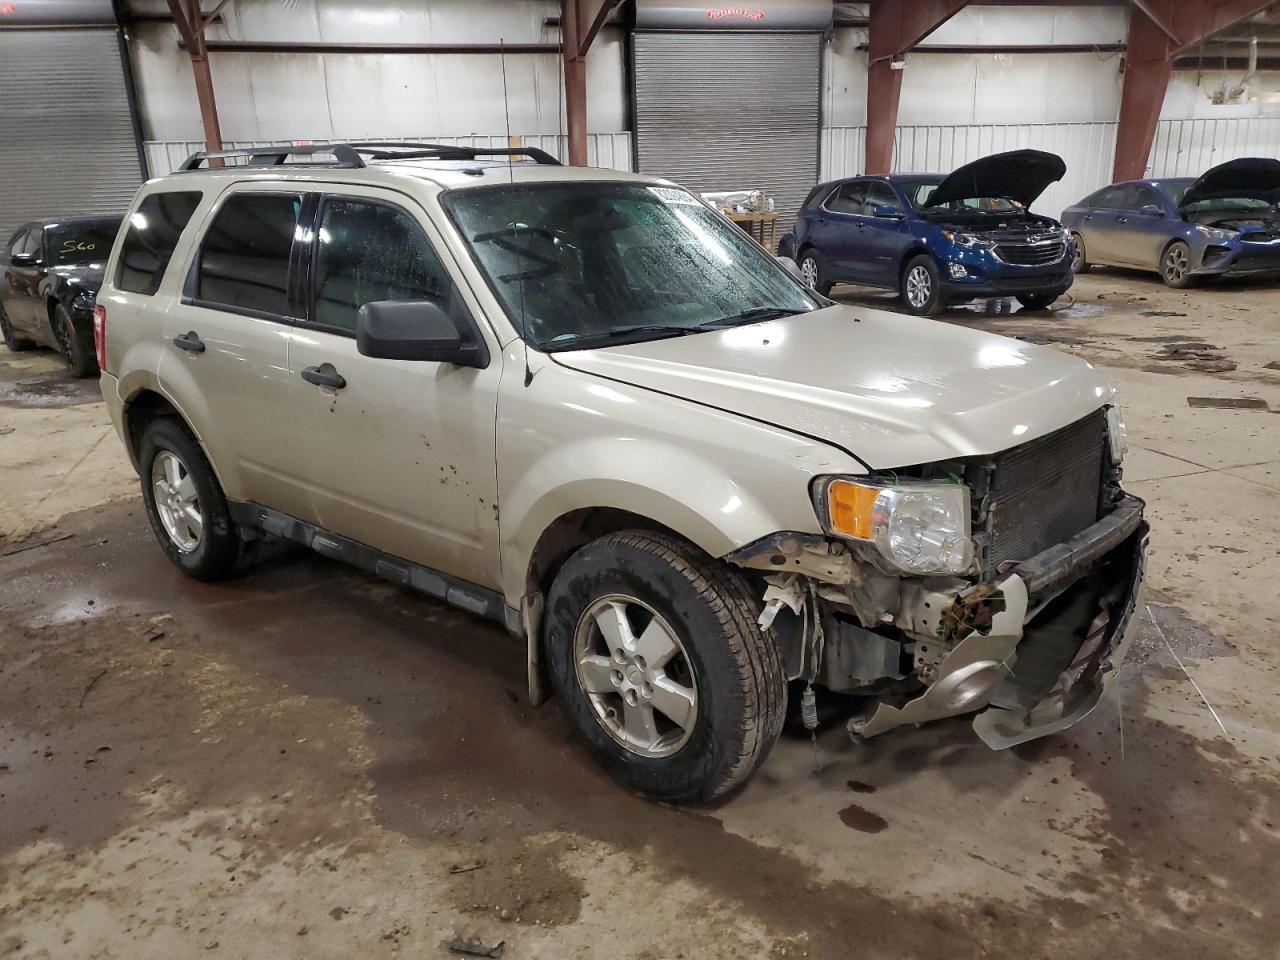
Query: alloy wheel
(1176,263)
(809,271)
(635,672)
(919,286)
(1077,258)
(62,335)
(176,501)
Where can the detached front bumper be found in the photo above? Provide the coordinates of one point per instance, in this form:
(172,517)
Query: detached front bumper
(1056,641)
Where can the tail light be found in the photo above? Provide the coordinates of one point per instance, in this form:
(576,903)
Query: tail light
(100,334)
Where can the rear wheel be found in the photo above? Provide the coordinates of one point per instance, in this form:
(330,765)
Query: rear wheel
(76,343)
(921,289)
(1037,301)
(814,275)
(658,661)
(11,340)
(1175,266)
(1079,264)
(185,502)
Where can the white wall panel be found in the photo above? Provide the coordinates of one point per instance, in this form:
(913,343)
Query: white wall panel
(609,150)
(1186,148)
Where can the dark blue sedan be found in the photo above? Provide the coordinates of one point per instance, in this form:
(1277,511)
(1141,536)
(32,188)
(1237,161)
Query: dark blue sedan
(937,239)
(1223,224)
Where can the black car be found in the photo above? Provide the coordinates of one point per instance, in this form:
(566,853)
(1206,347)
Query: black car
(52,272)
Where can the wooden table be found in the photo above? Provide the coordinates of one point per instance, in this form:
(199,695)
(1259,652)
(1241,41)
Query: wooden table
(762,226)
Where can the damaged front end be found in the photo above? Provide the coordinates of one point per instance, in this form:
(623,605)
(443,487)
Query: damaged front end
(1031,643)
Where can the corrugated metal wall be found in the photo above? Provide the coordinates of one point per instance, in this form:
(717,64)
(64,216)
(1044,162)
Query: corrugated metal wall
(730,111)
(609,150)
(69,148)
(1182,148)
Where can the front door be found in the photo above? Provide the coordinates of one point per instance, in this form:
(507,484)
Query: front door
(21,282)
(841,232)
(880,240)
(399,454)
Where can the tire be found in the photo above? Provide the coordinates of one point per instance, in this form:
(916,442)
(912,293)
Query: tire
(719,670)
(813,273)
(1037,301)
(1175,266)
(1079,264)
(920,288)
(11,340)
(213,552)
(76,343)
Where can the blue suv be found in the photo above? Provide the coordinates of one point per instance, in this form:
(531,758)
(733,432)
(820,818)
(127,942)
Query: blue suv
(936,239)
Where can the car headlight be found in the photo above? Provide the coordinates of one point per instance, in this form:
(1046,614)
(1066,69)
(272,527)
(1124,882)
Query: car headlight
(921,528)
(967,240)
(1117,433)
(1217,233)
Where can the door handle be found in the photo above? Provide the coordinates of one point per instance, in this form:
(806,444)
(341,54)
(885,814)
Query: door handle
(324,376)
(1089,216)
(1122,219)
(189,341)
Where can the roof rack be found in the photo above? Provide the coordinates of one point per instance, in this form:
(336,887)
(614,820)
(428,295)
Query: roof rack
(344,156)
(401,150)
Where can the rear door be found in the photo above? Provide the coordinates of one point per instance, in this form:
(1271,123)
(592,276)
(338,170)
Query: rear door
(841,223)
(1099,227)
(226,346)
(402,454)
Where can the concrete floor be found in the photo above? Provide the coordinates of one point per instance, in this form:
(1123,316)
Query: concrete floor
(309,763)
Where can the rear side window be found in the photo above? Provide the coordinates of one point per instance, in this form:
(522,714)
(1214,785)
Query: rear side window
(371,251)
(848,199)
(154,230)
(244,257)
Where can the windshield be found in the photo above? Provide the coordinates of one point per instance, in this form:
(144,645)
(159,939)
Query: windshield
(81,243)
(918,196)
(588,264)
(1228,205)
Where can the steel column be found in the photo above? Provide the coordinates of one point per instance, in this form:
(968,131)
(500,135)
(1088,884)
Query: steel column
(580,21)
(191,26)
(895,26)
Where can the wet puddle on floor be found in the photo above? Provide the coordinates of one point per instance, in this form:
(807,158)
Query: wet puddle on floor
(55,389)
(862,819)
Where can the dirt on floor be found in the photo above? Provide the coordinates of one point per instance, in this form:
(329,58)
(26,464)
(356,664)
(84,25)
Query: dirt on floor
(307,762)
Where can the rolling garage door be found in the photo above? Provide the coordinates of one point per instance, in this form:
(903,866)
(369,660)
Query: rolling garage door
(730,111)
(67,145)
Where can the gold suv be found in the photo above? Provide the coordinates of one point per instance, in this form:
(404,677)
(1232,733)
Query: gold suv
(584,404)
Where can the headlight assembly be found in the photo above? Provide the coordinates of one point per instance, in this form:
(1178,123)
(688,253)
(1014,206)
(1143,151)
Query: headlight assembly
(968,240)
(921,528)
(1217,234)
(1117,433)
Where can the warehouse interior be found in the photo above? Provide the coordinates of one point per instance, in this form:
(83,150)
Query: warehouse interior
(310,759)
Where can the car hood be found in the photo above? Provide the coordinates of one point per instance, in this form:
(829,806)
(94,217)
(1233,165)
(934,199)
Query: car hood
(1020,175)
(891,390)
(83,276)
(1256,178)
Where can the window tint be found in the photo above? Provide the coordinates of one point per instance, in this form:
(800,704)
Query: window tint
(154,229)
(879,195)
(1107,198)
(244,258)
(82,242)
(1140,197)
(848,199)
(29,242)
(368,252)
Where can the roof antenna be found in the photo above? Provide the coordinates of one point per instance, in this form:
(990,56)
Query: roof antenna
(515,245)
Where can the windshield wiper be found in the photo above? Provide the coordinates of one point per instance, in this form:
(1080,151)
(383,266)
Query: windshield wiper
(754,315)
(606,337)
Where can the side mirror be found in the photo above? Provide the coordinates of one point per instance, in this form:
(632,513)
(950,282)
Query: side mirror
(416,330)
(789,265)
(1151,210)
(886,211)
(24,260)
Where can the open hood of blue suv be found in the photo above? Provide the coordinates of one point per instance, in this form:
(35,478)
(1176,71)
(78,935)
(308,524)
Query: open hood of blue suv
(1253,178)
(1020,175)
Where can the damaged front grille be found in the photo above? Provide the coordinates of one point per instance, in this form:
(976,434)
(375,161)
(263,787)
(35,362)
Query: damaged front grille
(1044,492)
(1035,253)
(1261,236)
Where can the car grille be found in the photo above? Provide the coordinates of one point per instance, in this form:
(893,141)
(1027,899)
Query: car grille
(1045,492)
(1036,253)
(1262,236)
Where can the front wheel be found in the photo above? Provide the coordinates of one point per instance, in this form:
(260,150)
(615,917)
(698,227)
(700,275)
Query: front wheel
(76,343)
(658,661)
(921,290)
(815,277)
(1037,301)
(1175,266)
(1079,262)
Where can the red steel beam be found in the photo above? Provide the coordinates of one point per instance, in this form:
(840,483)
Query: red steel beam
(580,22)
(1160,30)
(191,26)
(895,27)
